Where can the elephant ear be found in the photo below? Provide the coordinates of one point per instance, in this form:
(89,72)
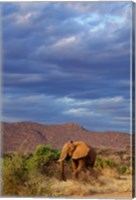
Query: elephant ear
(81,150)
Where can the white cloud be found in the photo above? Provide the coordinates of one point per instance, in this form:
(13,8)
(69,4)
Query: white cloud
(82,113)
(108,111)
(108,100)
(21,19)
(66,100)
(77,112)
(93,102)
(97,28)
(109,107)
(22,78)
(65,42)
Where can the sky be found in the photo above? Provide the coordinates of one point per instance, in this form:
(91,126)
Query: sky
(67,62)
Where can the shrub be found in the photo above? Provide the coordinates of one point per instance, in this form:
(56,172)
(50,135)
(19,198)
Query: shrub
(42,158)
(119,167)
(122,169)
(102,163)
(19,169)
(14,174)
(111,163)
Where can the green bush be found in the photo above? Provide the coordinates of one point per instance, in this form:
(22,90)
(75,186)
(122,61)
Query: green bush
(42,158)
(14,174)
(47,152)
(111,163)
(17,169)
(122,169)
(104,163)
(101,163)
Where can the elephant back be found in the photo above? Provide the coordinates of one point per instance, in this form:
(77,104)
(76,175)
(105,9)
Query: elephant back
(81,150)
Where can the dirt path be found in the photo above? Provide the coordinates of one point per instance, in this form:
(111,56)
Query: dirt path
(113,195)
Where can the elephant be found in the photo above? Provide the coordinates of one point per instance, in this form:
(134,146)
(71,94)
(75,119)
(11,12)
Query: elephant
(82,156)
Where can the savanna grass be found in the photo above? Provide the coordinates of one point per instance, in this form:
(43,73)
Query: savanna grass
(37,174)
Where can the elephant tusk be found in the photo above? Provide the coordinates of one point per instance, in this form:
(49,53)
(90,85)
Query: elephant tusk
(60,160)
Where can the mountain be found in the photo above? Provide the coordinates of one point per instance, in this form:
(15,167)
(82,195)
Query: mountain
(25,136)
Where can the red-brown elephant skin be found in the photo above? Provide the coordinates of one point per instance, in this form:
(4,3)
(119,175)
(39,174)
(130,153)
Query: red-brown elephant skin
(82,156)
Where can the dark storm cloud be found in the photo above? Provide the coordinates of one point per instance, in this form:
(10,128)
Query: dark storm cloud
(67,52)
(87,111)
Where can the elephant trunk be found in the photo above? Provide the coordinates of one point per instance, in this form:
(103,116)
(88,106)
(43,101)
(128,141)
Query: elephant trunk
(61,169)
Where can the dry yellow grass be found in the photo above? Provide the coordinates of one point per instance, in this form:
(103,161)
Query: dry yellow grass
(105,184)
(109,182)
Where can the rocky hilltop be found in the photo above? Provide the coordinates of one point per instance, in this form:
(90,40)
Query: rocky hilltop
(25,136)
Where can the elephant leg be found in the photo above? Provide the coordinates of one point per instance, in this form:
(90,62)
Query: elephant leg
(79,167)
(91,171)
(61,169)
(74,165)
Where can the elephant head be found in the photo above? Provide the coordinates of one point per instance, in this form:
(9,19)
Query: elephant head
(74,150)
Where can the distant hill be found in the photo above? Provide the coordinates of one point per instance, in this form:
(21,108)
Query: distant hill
(25,136)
